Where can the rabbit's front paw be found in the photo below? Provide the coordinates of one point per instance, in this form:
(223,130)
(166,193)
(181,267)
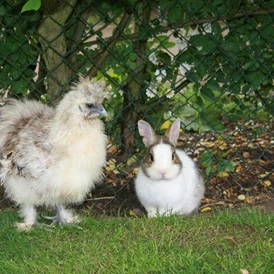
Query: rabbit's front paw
(152,213)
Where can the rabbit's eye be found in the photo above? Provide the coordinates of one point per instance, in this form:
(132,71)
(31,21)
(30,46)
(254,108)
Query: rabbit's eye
(173,156)
(151,157)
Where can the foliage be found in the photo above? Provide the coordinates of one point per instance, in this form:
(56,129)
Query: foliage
(221,49)
(19,52)
(215,163)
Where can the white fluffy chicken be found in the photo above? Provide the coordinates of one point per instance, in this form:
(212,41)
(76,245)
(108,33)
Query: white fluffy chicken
(53,157)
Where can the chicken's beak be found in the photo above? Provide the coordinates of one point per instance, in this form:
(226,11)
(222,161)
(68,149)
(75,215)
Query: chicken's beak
(101,110)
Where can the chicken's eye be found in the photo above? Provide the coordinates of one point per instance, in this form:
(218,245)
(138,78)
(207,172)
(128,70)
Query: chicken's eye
(89,105)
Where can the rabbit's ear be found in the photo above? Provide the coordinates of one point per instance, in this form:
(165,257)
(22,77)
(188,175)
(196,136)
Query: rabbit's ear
(147,132)
(173,132)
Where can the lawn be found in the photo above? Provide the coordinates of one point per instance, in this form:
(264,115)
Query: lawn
(229,241)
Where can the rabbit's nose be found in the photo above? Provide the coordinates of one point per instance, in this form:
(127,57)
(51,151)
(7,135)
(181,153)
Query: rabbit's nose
(163,173)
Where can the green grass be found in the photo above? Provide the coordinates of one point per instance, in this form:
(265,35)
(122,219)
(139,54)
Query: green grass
(222,242)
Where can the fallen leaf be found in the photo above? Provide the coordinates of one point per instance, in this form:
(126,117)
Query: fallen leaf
(136,212)
(131,160)
(249,200)
(230,238)
(207,144)
(112,149)
(262,162)
(267,183)
(263,175)
(222,174)
(239,169)
(221,145)
(241,197)
(206,209)
(246,155)
(111,166)
(132,213)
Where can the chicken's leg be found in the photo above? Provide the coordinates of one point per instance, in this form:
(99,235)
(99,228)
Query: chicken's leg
(28,212)
(63,217)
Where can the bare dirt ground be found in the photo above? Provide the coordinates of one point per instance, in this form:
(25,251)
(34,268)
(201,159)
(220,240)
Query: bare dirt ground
(251,183)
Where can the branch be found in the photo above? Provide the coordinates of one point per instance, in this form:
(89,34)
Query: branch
(194,23)
(101,198)
(163,97)
(109,45)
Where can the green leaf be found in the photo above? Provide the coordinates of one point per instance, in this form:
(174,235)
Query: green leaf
(163,57)
(2,11)
(206,161)
(187,112)
(29,73)
(31,5)
(193,77)
(168,45)
(131,3)
(217,126)
(250,66)
(199,101)
(213,85)
(161,38)
(225,165)
(245,89)
(200,67)
(235,87)
(207,94)
(22,59)
(14,73)
(175,15)
(132,56)
(216,29)
(143,33)
(231,44)
(132,65)
(14,57)
(256,77)
(204,41)
(19,87)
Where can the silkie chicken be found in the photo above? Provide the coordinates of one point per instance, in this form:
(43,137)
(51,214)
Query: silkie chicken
(53,156)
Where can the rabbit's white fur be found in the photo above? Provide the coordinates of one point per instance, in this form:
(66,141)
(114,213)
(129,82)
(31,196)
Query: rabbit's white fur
(165,188)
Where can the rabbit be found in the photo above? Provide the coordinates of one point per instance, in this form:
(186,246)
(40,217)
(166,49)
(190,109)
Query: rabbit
(168,181)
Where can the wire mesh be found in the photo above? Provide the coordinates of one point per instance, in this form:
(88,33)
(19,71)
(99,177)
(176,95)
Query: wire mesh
(210,63)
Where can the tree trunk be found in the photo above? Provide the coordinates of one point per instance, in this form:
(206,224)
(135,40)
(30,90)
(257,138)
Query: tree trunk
(132,98)
(54,46)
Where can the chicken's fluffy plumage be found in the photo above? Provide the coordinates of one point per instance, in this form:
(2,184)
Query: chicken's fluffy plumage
(49,156)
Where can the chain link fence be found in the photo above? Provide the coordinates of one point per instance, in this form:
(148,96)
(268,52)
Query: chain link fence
(209,63)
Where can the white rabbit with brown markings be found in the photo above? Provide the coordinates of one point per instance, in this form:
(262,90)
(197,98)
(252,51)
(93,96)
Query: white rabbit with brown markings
(168,181)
